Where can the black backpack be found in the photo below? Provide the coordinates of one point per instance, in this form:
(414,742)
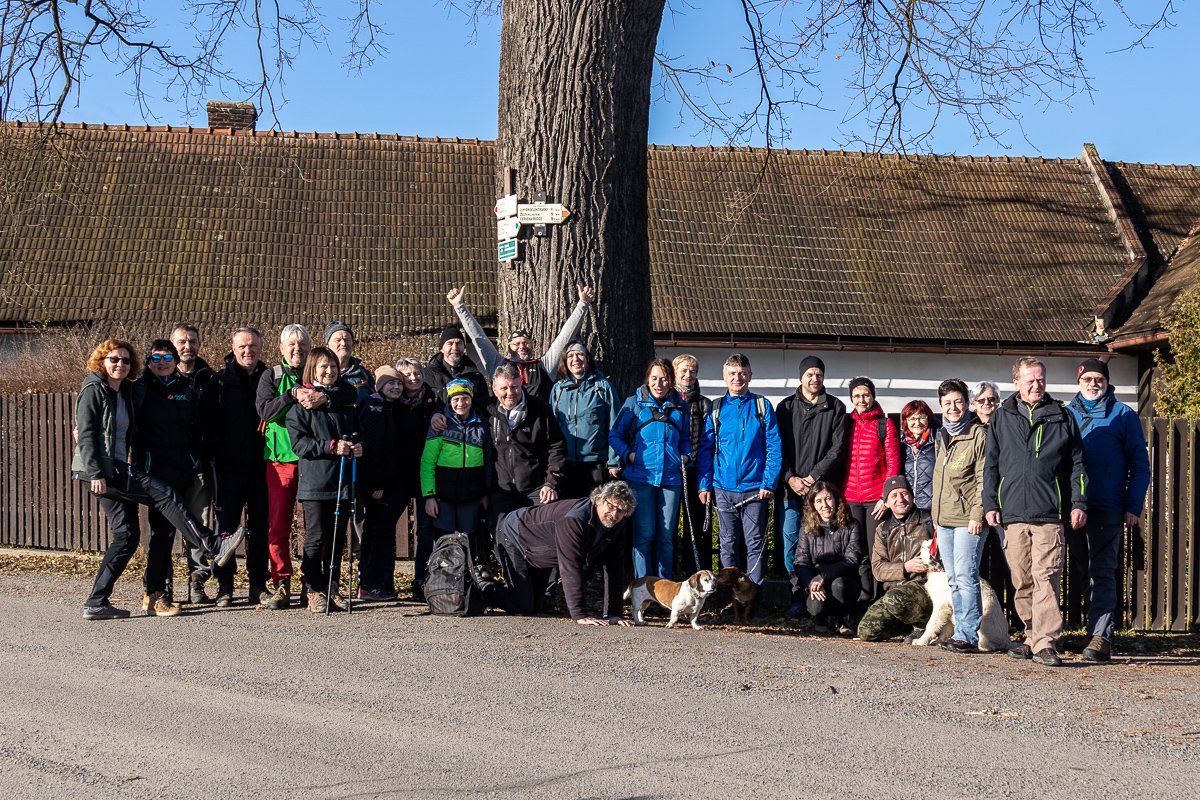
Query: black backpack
(450,587)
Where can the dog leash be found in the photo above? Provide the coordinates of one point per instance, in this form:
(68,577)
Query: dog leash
(687,513)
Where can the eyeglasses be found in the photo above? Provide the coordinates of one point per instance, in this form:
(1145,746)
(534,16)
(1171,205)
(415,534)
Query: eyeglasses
(985,401)
(157,357)
(919,420)
(119,360)
(1096,379)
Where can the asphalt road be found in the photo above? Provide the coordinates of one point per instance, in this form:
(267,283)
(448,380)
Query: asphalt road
(391,703)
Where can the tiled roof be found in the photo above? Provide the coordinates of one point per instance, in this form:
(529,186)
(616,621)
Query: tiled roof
(1182,272)
(162,223)
(1163,199)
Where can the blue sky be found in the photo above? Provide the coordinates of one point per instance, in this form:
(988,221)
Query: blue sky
(439,79)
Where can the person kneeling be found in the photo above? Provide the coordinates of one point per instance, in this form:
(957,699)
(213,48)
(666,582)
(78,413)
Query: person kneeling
(896,563)
(827,556)
(574,537)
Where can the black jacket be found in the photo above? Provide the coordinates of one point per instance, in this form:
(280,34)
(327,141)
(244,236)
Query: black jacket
(313,434)
(393,437)
(438,373)
(228,419)
(532,454)
(168,442)
(832,553)
(360,379)
(95,410)
(200,375)
(568,535)
(812,436)
(1034,468)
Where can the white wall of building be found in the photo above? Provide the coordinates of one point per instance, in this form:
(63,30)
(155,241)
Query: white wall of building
(898,377)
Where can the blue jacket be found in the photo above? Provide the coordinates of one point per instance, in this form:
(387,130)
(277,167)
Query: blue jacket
(656,433)
(586,410)
(748,455)
(1118,468)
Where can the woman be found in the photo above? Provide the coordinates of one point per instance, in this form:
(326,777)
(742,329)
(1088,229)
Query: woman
(651,442)
(106,419)
(985,400)
(585,405)
(874,456)
(456,467)
(321,436)
(958,510)
(827,557)
(916,451)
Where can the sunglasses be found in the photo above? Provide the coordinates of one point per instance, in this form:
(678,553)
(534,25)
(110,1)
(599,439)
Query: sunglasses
(986,401)
(119,360)
(160,357)
(1096,379)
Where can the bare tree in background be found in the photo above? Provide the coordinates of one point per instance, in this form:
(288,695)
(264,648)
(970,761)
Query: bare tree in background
(575,87)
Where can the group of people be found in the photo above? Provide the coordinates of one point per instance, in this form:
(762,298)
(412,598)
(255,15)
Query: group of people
(538,459)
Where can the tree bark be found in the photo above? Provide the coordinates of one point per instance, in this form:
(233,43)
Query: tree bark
(574,113)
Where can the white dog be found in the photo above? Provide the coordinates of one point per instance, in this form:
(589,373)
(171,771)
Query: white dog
(993,627)
(682,599)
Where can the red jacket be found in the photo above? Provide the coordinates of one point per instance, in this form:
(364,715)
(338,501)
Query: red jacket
(871,461)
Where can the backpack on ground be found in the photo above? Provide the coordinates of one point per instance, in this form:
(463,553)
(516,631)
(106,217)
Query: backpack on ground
(450,587)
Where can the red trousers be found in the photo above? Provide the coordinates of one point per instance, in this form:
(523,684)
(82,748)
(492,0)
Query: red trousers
(282,485)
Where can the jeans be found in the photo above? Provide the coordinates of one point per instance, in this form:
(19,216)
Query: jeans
(793,515)
(1097,547)
(462,517)
(654,529)
(743,532)
(693,528)
(961,553)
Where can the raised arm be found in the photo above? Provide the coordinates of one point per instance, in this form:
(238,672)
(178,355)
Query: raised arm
(489,356)
(570,330)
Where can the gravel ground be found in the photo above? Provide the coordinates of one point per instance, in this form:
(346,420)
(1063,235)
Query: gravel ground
(390,702)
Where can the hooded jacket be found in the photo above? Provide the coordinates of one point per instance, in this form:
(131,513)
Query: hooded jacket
(586,410)
(529,455)
(656,433)
(871,461)
(1034,470)
(745,454)
(167,444)
(95,418)
(958,476)
(812,437)
(438,373)
(229,420)
(1118,467)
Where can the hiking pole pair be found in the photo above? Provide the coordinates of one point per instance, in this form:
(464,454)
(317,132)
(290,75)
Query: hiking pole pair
(687,514)
(334,556)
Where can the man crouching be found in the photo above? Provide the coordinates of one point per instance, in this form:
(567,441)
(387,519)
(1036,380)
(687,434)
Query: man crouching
(896,563)
(574,537)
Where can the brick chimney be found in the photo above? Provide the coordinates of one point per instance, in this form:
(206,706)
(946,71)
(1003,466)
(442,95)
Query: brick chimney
(238,116)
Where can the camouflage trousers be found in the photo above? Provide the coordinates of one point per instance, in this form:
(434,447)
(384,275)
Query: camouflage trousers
(896,613)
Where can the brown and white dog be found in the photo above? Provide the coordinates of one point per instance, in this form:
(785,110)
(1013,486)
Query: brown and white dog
(682,599)
(743,590)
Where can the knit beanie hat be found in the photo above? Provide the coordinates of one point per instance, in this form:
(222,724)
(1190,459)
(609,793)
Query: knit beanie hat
(893,483)
(385,375)
(450,332)
(810,362)
(459,386)
(862,380)
(334,327)
(1092,365)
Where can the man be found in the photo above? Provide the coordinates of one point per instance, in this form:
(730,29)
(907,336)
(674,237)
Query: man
(186,338)
(811,430)
(573,537)
(740,458)
(1118,474)
(235,448)
(530,449)
(451,361)
(340,339)
(896,563)
(1033,477)
(687,383)
(535,373)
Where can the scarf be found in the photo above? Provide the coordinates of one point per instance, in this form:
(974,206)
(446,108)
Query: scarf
(955,428)
(916,442)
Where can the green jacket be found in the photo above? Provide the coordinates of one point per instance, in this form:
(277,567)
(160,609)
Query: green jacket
(272,402)
(958,477)
(457,463)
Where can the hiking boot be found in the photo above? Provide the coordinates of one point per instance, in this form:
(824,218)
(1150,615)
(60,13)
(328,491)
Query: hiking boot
(196,594)
(377,595)
(959,646)
(794,611)
(104,611)
(418,593)
(224,597)
(228,546)
(336,602)
(1099,649)
(157,604)
(844,629)
(257,594)
(1047,657)
(1021,651)
(317,602)
(820,625)
(279,598)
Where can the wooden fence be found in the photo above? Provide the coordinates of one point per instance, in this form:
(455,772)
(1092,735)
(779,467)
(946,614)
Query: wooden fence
(44,508)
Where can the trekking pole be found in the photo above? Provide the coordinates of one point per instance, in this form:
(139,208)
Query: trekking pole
(353,522)
(687,516)
(337,515)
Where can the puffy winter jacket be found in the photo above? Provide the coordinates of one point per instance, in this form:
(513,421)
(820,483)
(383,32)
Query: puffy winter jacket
(870,461)
(529,455)
(897,541)
(831,553)
(745,455)
(95,411)
(657,436)
(1034,471)
(232,435)
(917,463)
(457,463)
(393,435)
(812,436)
(313,433)
(586,410)
(1118,468)
(167,445)
(958,476)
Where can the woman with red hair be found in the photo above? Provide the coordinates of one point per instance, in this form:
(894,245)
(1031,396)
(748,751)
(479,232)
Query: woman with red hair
(917,451)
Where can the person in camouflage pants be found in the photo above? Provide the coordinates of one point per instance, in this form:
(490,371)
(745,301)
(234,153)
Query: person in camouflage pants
(896,563)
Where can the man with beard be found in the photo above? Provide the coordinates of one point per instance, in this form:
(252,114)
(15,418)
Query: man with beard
(453,362)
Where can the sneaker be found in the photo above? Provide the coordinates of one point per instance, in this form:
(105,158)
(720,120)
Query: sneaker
(1099,649)
(794,611)
(196,594)
(224,598)
(105,611)
(228,547)
(279,598)
(317,602)
(844,630)
(1021,651)
(377,595)
(959,646)
(157,604)
(1048,657)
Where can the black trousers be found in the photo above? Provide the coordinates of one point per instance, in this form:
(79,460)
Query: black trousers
(234,490)
(321,542)
(377,554)
(126,489)
(869,590)
(158,550)
(841,598)
(524,589)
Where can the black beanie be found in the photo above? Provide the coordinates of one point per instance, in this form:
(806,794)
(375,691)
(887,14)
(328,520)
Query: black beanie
(450,332)
(862,380)
(1092,365)
(808,362)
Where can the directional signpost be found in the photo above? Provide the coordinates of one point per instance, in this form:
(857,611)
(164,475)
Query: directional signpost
(511,215)
(507,228)
(541,213)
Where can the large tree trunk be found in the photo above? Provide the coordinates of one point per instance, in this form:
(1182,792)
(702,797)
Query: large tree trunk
(573,121)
